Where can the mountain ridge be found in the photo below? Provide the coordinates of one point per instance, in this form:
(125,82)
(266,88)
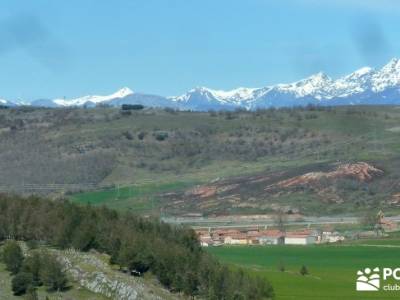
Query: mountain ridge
(364,86)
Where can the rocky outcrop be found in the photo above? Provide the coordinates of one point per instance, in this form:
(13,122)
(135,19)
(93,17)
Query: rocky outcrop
(202,191)
(360,171)
(94,274)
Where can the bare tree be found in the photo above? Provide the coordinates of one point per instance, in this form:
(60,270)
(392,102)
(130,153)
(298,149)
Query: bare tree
(280,220)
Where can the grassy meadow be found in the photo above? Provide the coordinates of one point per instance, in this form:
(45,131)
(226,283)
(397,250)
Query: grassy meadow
(140,199)
(332,268)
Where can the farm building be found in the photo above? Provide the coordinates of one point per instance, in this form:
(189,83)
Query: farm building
(271,237)
(236,239)
(299,239)
(330,237)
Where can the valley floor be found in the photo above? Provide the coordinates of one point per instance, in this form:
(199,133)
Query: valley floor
(332,268)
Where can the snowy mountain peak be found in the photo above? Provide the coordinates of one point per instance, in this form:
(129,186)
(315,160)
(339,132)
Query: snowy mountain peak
(387,77)
(235,95)
(122,93)
(238,94)
(319,77)
(316,80)
(361,72)
(394,64)
(363,86)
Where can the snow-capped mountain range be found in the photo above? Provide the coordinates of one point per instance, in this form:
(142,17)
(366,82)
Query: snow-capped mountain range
(364,86)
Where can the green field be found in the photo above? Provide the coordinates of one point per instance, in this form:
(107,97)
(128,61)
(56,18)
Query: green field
(139,198)
(332,268)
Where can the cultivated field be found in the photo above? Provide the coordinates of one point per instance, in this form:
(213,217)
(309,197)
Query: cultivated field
(332,268)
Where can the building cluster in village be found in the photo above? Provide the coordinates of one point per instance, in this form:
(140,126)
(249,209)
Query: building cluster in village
(217,237)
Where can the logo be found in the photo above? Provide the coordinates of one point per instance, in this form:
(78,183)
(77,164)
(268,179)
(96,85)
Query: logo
(368,280)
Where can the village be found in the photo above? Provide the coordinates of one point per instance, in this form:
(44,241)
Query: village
(299,236)
(219,237)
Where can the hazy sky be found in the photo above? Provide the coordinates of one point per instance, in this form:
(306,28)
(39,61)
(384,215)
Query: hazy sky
(54,48)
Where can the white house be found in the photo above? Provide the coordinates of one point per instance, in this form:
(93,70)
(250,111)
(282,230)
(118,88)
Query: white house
(299,239)
(236,239)
(271,237)
(331,237)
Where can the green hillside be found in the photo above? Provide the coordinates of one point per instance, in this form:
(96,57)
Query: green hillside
(133,160)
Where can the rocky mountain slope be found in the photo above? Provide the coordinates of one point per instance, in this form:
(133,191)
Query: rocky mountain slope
(313,189)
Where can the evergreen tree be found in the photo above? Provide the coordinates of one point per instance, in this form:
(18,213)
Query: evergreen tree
(32,264)
(31,294)
(21,282)
(304,270)
(12,257)
(52,274)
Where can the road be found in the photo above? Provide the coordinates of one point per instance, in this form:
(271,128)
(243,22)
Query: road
(261,221)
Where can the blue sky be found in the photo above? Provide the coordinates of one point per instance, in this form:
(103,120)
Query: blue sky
(51,48)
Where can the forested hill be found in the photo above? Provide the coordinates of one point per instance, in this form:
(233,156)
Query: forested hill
(172,254)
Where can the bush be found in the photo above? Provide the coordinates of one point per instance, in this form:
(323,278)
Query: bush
(127,135)
(281,266)
(160,136)
(141,135)
(132,107)
(20,283)
(304,270)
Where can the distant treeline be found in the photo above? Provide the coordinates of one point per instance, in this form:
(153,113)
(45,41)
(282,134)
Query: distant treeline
(171,253)
(132,107)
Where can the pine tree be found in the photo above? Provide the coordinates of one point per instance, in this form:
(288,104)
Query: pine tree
(20,283)
(52,274)
(12,257)
(304,270)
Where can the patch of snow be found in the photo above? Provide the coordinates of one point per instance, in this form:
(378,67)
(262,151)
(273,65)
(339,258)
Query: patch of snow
(122,93)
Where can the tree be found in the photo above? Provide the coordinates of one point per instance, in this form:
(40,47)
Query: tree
(21,282)
(32,265)
(31,294)
(369,220)
(304,270)
(132,107)
(52,274)
(171,253)
(280,220)
(12,257)
(281,266)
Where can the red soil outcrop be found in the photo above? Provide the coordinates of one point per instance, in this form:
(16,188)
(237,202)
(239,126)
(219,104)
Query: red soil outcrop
(361,171)
(202,191)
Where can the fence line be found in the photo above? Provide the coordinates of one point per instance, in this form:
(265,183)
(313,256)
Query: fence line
(46,187)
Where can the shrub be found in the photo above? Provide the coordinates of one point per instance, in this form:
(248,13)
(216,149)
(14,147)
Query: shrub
(141,135)
(20,283)
(127,135)
(132,107)
(304,270)
(160,136)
